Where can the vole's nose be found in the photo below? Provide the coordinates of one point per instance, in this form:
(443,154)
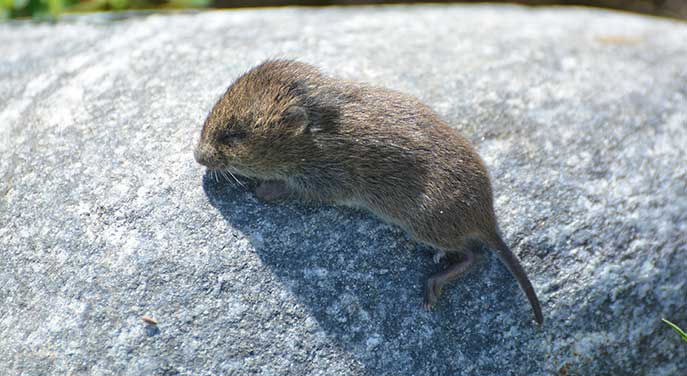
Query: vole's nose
(200,156)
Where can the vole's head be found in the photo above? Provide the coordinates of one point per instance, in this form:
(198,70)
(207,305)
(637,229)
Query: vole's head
(261,127)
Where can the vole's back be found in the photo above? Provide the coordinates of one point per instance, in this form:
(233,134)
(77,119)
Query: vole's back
(405,164)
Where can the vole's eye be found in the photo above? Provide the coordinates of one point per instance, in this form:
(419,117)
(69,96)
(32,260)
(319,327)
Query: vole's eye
(231,136)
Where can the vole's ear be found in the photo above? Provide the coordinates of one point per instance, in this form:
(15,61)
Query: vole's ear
(295,117)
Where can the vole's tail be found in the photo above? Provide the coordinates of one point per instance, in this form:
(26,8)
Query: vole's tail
(511,261)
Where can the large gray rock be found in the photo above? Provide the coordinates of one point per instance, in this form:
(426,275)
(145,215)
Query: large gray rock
(581,116)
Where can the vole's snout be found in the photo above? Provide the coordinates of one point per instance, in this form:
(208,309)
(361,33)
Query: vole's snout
(198,156)
(204,156)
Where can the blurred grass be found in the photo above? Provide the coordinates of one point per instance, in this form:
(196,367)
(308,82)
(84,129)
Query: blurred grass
(52,9)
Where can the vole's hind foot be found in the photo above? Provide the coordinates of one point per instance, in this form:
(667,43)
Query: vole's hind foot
(435,283)
(438,255)
(432,293)
(271,191)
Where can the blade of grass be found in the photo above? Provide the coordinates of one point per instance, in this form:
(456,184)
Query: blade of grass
(55,7)
(677,329)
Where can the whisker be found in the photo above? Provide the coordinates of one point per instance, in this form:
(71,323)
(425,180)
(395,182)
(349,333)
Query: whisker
(235,179)
(214,173)
(224,175)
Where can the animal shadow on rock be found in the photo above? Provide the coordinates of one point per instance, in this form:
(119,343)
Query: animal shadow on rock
(362,280)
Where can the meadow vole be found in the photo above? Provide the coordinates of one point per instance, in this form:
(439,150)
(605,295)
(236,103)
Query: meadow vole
(305,134)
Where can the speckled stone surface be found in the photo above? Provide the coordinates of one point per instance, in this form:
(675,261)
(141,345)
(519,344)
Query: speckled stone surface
(581,116)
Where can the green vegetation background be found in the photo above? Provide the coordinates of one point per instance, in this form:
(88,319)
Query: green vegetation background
(50,9)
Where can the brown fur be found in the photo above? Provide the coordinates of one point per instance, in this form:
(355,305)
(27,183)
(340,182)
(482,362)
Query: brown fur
(348,143)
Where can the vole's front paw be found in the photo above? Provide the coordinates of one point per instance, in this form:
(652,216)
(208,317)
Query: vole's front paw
(438,255)
(271,191)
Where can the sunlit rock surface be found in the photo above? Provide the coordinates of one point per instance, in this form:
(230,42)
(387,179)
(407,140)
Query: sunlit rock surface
(581,116)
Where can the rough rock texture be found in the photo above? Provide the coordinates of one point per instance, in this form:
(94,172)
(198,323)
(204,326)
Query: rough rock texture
(581,116)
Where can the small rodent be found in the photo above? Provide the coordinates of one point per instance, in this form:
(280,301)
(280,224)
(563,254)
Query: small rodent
(302,133)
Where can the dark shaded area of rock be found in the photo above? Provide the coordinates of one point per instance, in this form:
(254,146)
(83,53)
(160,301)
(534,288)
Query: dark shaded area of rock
(105,217)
